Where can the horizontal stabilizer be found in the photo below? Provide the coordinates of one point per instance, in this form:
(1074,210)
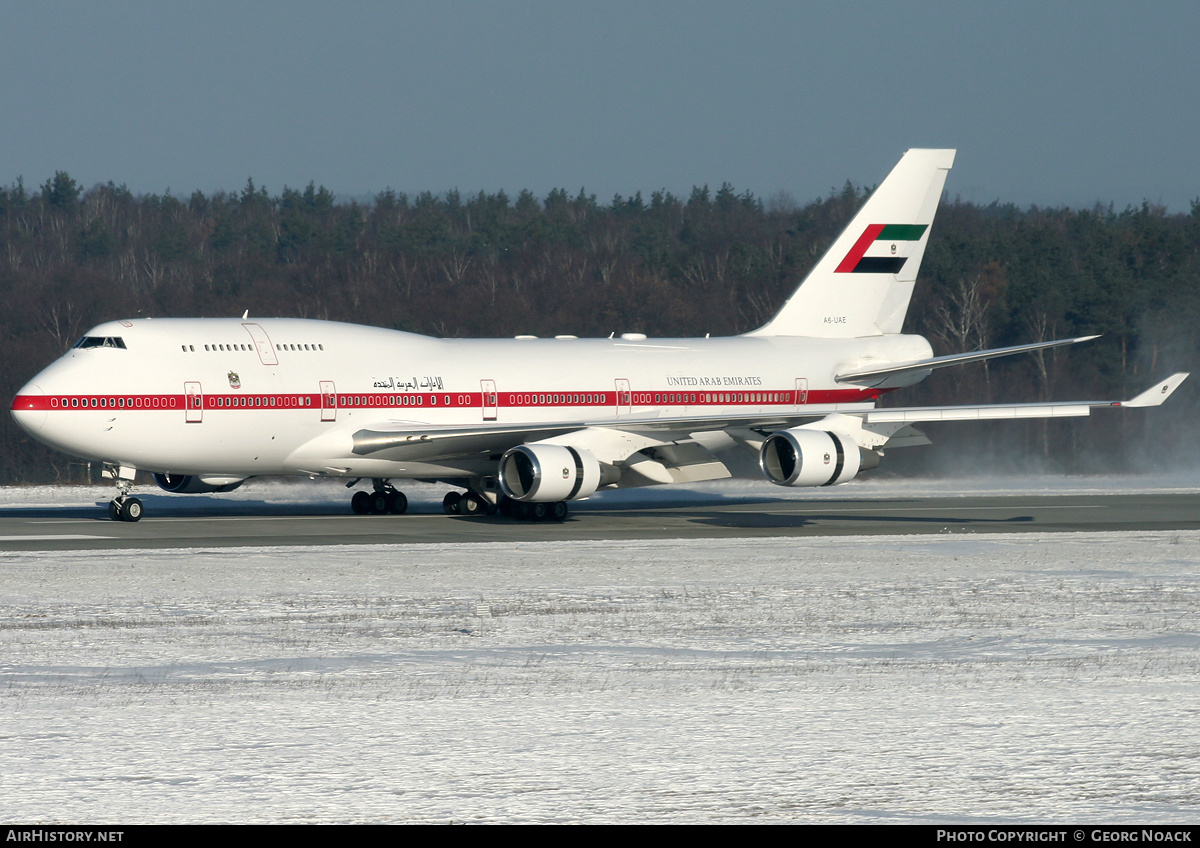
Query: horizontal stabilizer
(866,375)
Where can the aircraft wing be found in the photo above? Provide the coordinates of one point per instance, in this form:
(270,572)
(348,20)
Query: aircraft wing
(412,441)
(870,426)
(666,455)
(1153,396)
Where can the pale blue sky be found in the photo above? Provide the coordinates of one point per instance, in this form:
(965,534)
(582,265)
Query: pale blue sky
(1053,103)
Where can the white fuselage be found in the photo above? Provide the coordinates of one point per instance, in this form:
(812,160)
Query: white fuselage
(285,396)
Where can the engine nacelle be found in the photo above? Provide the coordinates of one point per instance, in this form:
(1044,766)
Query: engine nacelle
(191,484)
(544,473)
(800,457)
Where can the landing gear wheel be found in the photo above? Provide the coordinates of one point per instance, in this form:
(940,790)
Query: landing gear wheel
(522,511)
(361,503)
(470,505)
(377,503)
(538,511)
(114,511)
(397,503)
(131,510)
(450,503)
(558,512)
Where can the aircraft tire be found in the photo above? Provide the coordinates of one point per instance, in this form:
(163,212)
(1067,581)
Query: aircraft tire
(114,511)
(470,505)
(558,512)
(377,503)
(522,511)
(450,503)
(397,503)
(539,511)
(360,503)
(131,510)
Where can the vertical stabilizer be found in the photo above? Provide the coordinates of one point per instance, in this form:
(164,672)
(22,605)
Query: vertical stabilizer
(862,285)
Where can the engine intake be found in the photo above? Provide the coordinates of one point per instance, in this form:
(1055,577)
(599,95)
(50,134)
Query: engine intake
(544,473)
(800,457)
(191,484)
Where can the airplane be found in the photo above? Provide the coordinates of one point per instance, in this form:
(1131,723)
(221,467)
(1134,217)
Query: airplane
(526,425)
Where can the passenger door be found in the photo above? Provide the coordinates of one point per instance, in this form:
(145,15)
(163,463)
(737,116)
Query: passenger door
(328,401)
(490,400)
(624,398)
(193,401)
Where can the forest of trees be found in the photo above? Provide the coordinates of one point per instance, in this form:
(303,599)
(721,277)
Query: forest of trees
(716,262)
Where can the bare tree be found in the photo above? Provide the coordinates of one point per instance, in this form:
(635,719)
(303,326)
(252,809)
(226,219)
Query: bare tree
(960,321)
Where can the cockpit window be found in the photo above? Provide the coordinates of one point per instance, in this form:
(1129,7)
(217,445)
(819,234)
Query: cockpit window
(101,341)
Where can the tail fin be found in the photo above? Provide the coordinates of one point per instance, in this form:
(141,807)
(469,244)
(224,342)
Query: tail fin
(862,285)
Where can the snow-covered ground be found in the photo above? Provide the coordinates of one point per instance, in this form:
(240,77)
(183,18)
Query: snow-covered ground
(1036,677)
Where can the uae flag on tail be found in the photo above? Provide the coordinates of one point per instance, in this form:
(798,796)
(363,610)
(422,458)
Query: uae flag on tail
(882,249)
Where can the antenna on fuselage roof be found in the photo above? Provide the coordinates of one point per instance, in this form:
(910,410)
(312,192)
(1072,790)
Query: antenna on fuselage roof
(245,314)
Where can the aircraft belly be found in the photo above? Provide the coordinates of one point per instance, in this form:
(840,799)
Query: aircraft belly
(163,442)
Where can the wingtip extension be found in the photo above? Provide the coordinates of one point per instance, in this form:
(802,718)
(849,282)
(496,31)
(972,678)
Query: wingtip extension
(1160,391)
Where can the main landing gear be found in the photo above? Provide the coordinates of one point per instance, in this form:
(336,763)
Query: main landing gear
(523,511)
(476,501)
(469,504)
(472,503)
(385,500)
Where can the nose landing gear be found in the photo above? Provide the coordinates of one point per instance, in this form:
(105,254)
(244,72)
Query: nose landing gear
(123,507)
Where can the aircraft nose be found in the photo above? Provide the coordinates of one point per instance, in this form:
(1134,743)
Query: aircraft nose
(29,408)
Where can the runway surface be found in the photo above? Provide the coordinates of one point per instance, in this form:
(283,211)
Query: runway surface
(203,521)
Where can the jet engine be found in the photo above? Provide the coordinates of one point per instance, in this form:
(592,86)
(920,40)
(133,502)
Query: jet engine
(545,473)
(190,484)
(800,457)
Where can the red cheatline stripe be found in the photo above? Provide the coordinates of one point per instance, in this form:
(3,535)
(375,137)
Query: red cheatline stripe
(860,248)
(453,400)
